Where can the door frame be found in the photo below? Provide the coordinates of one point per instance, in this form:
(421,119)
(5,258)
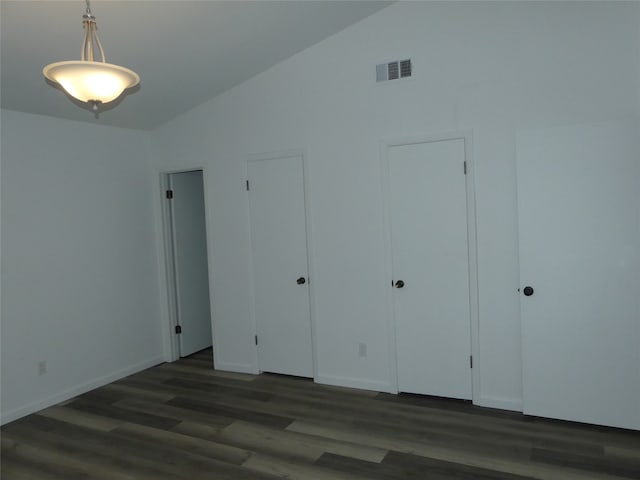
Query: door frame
(260,157)
(385,145)
(166,264)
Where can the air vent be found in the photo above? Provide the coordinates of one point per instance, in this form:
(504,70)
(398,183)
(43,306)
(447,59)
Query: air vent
(405,68)
(393,70)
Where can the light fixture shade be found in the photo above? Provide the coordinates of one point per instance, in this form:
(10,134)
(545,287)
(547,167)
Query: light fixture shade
(91,81)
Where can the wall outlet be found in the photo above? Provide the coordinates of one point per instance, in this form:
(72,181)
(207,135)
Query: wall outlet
(362,349)
(42,367)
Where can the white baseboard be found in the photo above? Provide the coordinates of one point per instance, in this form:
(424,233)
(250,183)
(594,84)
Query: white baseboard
(354,383)
(236,367)
(514,404)
(38,405)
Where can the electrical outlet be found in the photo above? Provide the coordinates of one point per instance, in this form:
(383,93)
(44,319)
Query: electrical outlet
(42,367)
(362,349)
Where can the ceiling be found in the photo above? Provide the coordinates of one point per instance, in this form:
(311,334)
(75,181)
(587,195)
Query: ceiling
(185,52)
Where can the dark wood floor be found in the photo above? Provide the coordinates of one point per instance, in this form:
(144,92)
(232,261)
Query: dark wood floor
(185,420)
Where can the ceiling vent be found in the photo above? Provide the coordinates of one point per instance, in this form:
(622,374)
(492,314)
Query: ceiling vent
(393,70)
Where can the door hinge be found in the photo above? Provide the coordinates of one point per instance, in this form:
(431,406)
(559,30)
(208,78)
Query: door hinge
(247,185)
(256,339)
(169,194)
(178,329)
(470,361)
(465,168)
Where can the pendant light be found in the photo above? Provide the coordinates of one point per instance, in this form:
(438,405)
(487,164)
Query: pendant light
(88,80)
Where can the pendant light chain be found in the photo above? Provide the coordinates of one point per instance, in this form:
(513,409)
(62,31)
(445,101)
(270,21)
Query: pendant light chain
(90,37)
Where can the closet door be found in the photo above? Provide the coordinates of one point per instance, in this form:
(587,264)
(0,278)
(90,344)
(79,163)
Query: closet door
(280,265)
(579,215)
(430,255)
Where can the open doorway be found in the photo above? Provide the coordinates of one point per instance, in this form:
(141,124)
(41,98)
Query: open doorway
(187,262)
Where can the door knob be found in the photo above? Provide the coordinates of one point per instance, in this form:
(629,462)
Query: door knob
(399,284)
(528,291)
(301,281)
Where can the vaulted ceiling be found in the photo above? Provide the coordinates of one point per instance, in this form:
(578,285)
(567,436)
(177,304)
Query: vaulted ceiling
(185,52)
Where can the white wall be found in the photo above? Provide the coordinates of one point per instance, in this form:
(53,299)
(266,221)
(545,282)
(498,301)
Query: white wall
(493,68)
(79,273)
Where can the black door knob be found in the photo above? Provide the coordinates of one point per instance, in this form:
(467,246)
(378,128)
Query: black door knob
(399,284)
(301,281)
(528,291)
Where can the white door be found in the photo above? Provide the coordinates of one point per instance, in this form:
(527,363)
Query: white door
(579,214)
(279,257)
(190,261)
(430,254)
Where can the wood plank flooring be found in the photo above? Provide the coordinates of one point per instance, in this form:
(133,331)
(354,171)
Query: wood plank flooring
(186,421)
